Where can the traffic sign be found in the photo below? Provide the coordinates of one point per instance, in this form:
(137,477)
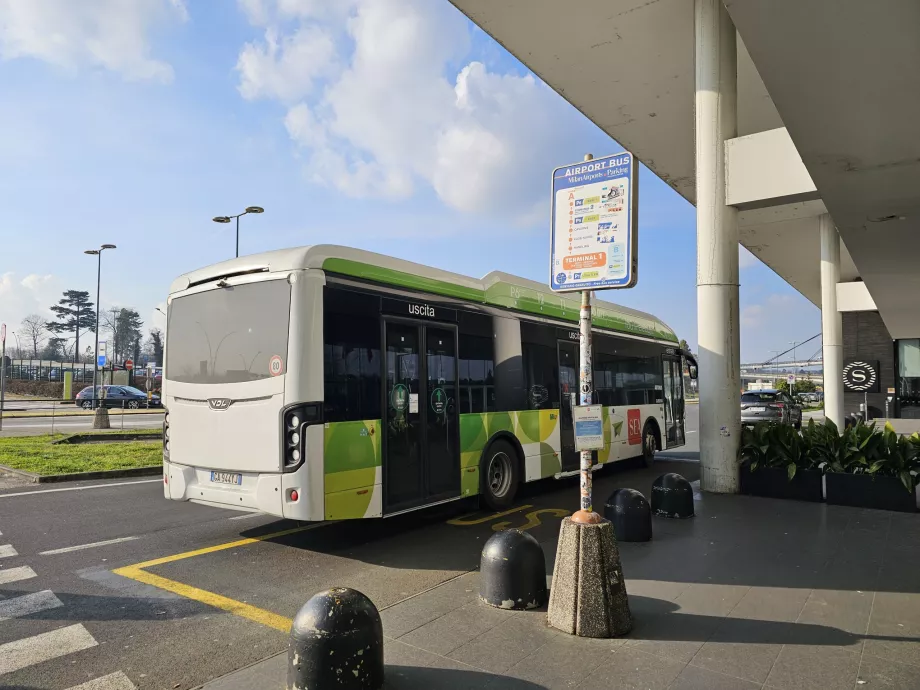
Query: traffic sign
(100,356)
(129,364)
(595,230)
(790,379)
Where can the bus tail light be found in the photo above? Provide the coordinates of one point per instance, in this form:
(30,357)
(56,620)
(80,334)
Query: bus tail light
(296,419)
(166,433)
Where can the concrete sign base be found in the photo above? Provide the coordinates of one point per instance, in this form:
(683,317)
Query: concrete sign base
(588,597)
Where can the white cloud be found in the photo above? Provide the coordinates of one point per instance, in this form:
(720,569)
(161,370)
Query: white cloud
(19,297)
(285,69)
(111,34)
(746,258)
(396,111)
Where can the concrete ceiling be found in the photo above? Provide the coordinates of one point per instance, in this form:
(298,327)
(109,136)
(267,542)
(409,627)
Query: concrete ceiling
(844,76)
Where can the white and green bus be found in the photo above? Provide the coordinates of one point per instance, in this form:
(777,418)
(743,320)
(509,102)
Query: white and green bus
(327,383)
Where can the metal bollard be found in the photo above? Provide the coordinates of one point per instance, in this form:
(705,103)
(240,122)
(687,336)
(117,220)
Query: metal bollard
(630,514)
(672,496)
(512,573)
(336,642)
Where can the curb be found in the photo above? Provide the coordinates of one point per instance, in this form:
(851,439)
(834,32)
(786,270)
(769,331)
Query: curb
(77,476)
(26,414)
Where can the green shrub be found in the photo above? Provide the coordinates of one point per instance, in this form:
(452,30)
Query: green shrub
(859,449)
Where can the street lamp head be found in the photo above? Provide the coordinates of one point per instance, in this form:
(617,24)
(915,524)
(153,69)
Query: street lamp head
(108,246)
(221,219)
(255,209)
(93,252)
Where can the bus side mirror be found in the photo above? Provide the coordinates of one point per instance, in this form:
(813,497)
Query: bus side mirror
(693,372)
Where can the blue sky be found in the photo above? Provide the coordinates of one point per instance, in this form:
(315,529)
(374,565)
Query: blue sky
(393,125)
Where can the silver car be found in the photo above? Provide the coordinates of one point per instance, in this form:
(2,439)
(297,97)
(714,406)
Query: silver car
(770,406)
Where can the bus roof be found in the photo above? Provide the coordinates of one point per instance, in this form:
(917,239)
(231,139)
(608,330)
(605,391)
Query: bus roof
(495,288)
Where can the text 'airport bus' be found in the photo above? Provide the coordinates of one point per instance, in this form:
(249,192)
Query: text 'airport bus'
(328,383)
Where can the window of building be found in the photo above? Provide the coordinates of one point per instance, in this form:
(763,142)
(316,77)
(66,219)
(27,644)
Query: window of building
(909,377)
(351,356)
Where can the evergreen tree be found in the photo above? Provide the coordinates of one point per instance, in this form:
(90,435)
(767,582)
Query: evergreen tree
(74,313)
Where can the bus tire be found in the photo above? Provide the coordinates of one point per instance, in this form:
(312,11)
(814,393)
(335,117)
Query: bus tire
(649,444)
(499,475)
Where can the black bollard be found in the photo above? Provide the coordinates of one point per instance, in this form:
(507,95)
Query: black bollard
(672,496)
(512,573)
(630,514)
(336,642)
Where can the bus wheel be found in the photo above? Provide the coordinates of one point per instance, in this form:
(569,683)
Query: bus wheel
(498,475)
(649,445)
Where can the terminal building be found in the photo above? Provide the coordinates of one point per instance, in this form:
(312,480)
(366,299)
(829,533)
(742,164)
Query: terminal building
(792,127)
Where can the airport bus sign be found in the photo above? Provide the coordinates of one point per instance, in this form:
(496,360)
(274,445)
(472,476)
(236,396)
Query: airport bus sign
(594,225)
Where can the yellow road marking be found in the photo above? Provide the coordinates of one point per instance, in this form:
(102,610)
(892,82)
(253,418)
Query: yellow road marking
(228,545)
(532,519)
(462,521)
(237,608)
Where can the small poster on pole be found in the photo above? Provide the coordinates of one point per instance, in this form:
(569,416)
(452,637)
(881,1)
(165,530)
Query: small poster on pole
(589,427)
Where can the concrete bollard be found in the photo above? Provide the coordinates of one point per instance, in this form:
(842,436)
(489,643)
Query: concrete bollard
(630,514)
(336,642)
(672,496)
(512,572)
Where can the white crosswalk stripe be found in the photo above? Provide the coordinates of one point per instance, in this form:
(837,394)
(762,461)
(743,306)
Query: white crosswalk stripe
(29,651)
(113,681)
(39,648)
(27,604)
(23,572)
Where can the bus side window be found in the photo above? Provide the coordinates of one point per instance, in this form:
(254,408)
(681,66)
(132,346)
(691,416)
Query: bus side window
(351,358)
(541,376)
(477,374)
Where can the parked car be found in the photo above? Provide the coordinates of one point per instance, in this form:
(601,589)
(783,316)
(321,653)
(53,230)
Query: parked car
(770,406)
(116,396)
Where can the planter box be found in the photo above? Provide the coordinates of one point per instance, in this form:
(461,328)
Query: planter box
(773,482)
(866,491)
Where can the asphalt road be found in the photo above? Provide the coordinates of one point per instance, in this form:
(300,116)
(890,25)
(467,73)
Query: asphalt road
(26,426)
(66,618)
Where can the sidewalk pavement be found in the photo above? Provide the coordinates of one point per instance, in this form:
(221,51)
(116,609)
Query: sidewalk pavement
(751,593)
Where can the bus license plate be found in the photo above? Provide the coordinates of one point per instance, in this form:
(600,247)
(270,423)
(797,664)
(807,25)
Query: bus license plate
(227,478)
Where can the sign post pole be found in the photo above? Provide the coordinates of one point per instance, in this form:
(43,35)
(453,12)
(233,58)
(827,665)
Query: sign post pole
(587,386)
(586,377)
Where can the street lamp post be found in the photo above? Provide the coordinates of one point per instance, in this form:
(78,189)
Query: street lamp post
(794,344)
(97,253)
(227,219)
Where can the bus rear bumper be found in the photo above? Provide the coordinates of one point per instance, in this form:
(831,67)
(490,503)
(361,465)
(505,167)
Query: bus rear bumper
(282,495)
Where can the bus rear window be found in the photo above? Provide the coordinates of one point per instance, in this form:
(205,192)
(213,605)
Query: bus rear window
(229,335)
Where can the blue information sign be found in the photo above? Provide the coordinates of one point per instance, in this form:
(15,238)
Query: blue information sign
(595,241)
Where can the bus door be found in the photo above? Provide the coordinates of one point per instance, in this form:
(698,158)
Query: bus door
(421,459)
(673,401)
(568,398)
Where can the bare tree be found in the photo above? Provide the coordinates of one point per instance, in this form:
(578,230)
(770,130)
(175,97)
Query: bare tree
(33,332)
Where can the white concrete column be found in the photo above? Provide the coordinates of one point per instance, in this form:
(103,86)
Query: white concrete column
(831,321)
(717,250)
